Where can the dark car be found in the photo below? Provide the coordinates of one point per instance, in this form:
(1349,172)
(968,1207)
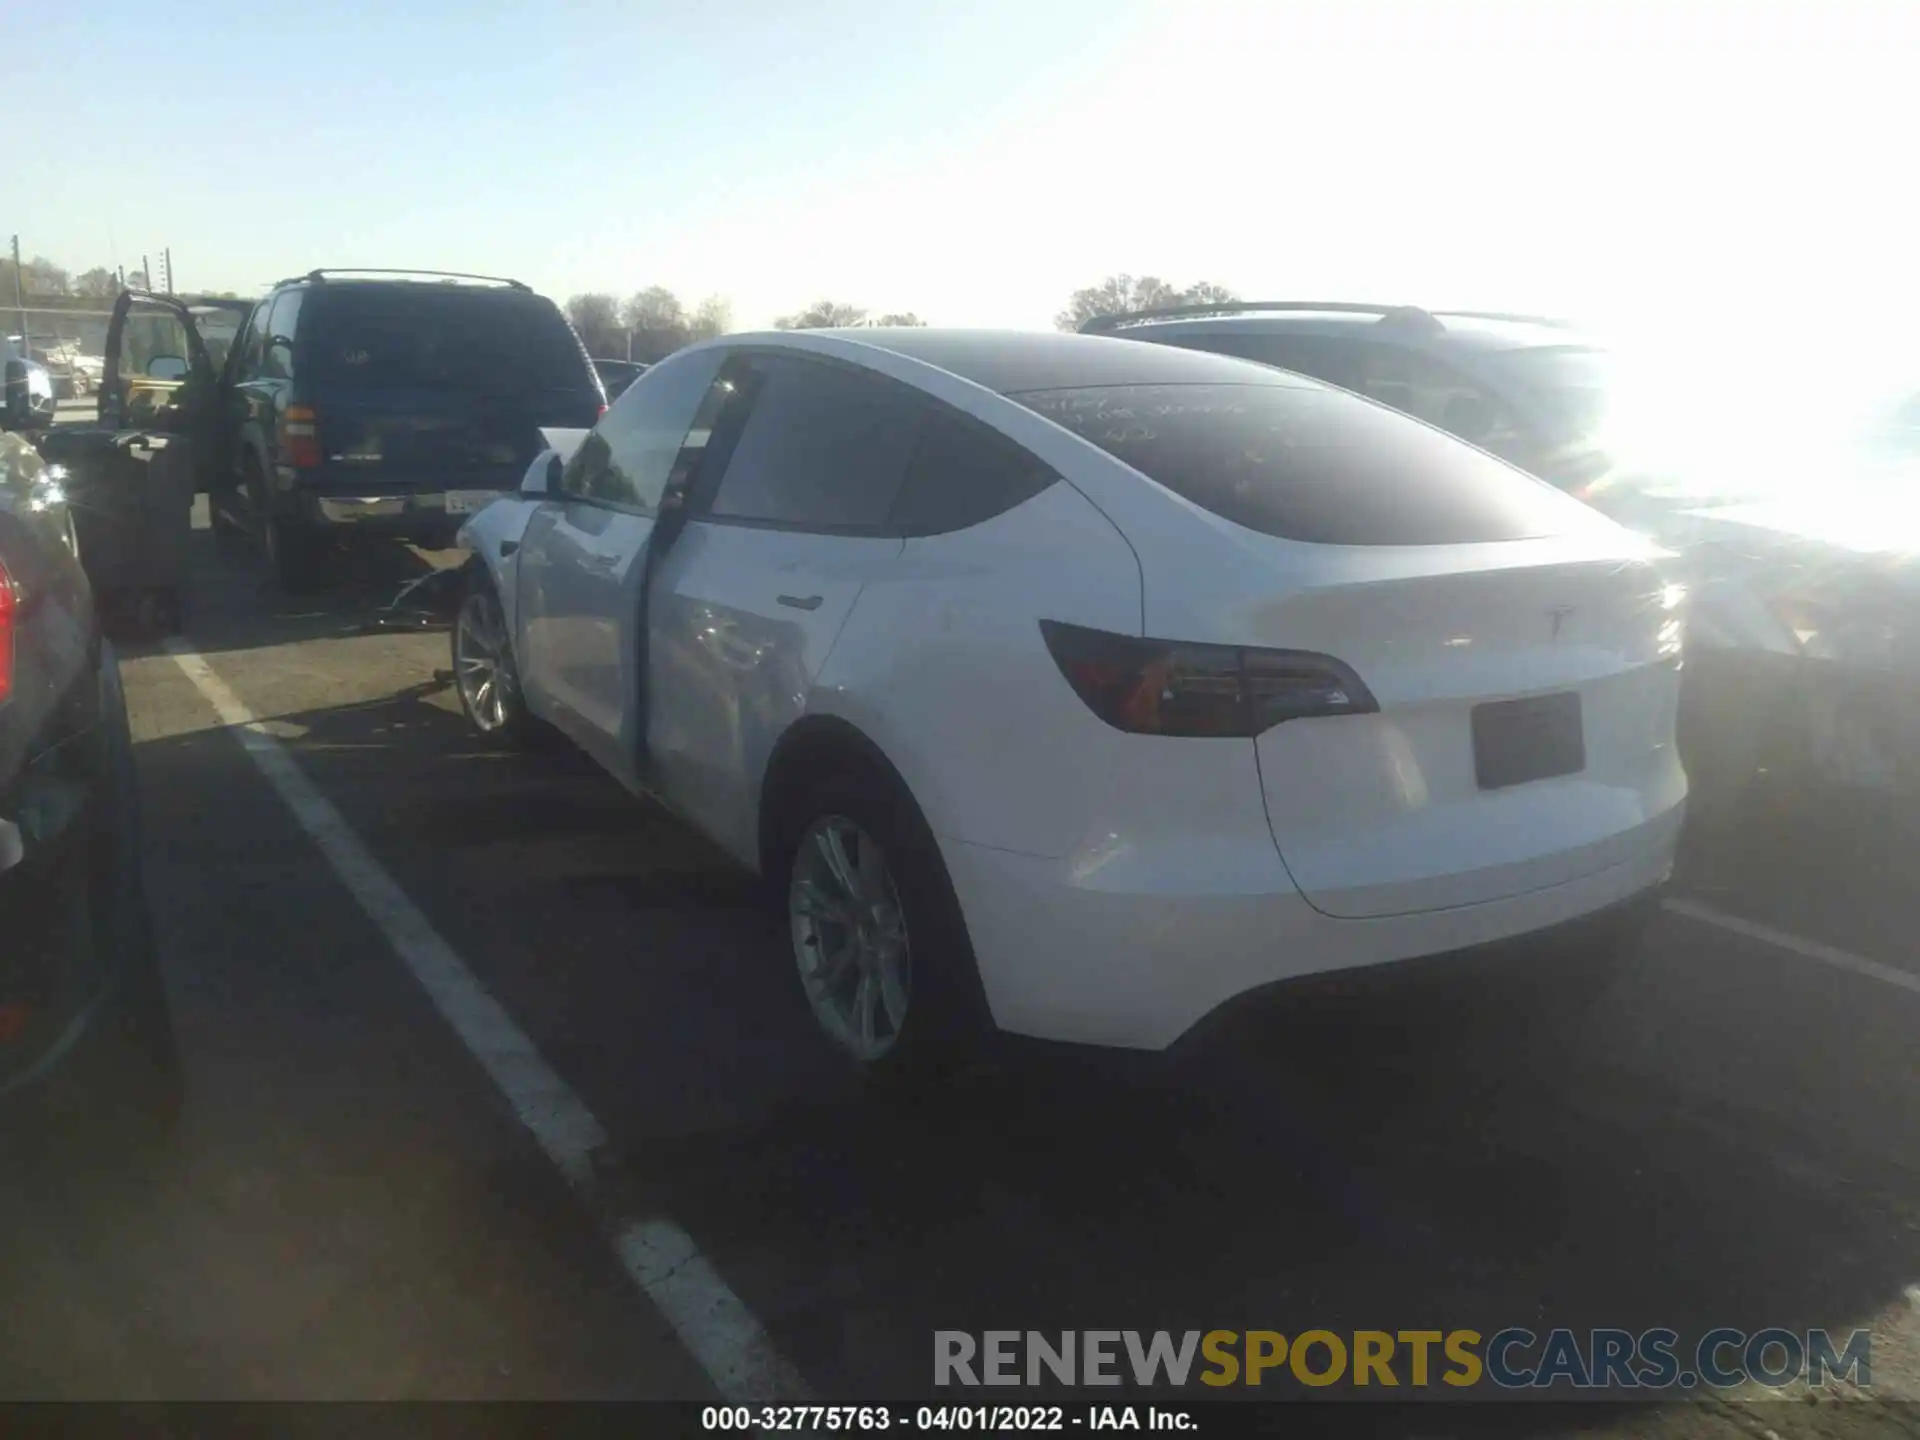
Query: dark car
(85,1030)
(352,402)
(617,375)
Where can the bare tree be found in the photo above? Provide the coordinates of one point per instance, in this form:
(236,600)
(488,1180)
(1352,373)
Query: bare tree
(1120,293)
(822,315)
(712,317)
(900,317)
(596,316)
(657,322)
(38,276)
(98,283)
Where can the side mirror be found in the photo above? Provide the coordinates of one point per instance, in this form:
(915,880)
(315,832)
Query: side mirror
(167,367)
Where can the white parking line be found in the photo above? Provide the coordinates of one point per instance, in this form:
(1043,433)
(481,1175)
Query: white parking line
(1795,944)
(724,1336)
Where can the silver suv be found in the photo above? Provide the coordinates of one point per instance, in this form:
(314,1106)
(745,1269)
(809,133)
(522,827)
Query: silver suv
(1527,388)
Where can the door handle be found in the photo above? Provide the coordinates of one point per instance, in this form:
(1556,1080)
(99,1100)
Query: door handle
(800,602)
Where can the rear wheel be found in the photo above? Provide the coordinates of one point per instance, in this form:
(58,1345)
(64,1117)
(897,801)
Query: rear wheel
(484,673)
(878,940)
(295,553)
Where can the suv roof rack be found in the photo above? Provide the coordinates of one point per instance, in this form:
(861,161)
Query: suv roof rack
(1100,324)
(437,274)
(1412,315)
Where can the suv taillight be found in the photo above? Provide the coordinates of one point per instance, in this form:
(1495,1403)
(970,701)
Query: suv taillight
(300,437)
(1164,687)
(9,609)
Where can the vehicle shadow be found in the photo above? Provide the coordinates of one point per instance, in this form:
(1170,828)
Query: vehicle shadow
(231,601)
(1305,1181)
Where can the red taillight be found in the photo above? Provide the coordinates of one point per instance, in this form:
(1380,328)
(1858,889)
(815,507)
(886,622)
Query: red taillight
(9,604)
(603,410)
(1162,687)
(300,437)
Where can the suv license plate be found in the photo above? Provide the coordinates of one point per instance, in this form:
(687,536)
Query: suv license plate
(470,502)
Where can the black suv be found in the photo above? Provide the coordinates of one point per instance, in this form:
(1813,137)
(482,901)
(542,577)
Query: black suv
(396,402)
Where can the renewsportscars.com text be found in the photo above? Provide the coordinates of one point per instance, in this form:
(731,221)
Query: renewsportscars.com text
(1509,1359)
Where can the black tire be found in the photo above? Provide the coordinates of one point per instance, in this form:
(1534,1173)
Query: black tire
(507,724)
(946,1016)
(296,554)
(123,1087)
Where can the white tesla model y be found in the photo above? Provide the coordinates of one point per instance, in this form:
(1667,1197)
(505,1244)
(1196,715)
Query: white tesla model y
(1075,686)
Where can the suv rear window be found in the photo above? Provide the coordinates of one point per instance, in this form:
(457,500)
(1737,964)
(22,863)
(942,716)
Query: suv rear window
(426,337)
(1306,463)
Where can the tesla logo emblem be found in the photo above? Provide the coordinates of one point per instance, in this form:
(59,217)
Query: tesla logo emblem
(1559,614)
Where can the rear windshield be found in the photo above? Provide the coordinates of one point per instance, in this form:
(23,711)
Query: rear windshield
(420,337)
(1306,463)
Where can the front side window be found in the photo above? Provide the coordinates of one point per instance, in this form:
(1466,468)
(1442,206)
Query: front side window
(822,447)
(626,461)
(1307,463)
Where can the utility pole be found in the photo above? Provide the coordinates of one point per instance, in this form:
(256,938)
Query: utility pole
(146,274)
(166,267)
(20,300)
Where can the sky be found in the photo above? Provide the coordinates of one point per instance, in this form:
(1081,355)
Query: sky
(1745,171)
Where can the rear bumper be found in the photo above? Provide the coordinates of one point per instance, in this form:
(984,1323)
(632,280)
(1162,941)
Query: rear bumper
(419,515)
(1065,954)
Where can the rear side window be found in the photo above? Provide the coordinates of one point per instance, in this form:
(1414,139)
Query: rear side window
(821,448)
(961,475)
(1338,362)
(1311,464)
(486,342)
(281,329)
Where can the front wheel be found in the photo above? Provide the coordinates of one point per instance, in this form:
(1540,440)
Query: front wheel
(879,941)
(484,673)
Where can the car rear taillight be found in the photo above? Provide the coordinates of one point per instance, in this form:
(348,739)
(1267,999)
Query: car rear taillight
(1164,687)
(9,608)
(300,437)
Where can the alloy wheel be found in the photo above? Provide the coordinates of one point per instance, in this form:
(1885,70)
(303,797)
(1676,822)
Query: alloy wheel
(850,938)
(482,668)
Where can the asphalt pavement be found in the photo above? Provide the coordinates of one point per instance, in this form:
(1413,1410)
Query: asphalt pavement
(500,1087)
